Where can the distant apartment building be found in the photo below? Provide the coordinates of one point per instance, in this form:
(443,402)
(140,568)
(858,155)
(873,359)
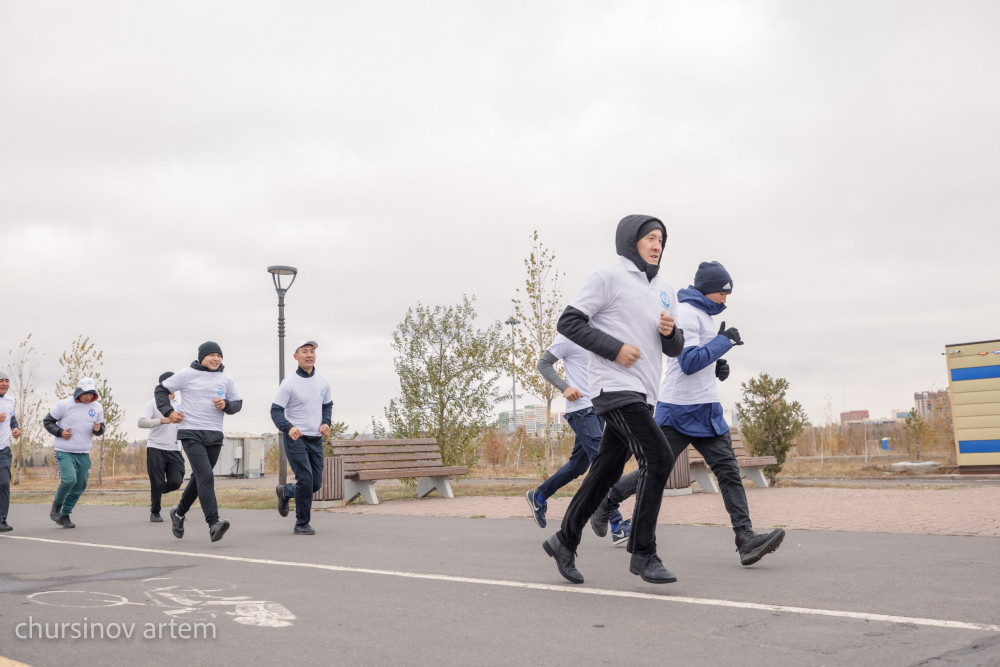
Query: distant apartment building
(926,402)
(853,416)
(532,419)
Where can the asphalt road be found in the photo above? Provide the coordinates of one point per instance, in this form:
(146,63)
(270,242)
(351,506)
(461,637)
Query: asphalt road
(405,590)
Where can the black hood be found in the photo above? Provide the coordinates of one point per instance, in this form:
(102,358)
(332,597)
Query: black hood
(628,235)
(198,367)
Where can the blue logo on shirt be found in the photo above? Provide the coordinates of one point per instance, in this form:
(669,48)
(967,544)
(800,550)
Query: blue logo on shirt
(221,391)
(665,299)
(92,412)
(322,392)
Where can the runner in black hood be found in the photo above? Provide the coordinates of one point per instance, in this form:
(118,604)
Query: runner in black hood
(630,230)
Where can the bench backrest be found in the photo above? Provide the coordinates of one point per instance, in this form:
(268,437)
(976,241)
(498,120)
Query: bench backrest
(419,453)
(738,447)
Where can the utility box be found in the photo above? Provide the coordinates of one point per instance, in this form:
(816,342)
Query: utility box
(242,455)
(974,381)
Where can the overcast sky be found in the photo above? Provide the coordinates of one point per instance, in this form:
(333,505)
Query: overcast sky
(840,158)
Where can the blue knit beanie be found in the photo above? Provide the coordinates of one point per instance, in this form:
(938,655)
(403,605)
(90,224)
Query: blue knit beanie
(712,277)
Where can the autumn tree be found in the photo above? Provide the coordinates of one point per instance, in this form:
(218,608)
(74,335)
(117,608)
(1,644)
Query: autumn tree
(769,422)
(81,360)
(22,364)
(538,306)
(449,374)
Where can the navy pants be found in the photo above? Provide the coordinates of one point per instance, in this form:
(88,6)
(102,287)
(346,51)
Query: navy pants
(305,455)
(587,426)
(629,431)
(718,453)
(202,449)
(5,459)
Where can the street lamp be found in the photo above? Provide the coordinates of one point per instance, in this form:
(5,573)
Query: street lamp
(513,322)
(276,273)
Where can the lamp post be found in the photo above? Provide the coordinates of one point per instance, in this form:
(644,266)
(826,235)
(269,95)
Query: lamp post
(513,322)
(276,274)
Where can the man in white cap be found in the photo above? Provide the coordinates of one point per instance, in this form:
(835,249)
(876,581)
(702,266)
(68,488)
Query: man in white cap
(302,410)
(8,429)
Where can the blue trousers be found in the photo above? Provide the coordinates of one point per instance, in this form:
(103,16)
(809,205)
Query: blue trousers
(74,471)
(305,455)
(587,426)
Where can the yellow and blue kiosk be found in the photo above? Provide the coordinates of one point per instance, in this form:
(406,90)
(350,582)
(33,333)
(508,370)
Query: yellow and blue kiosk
(974,381)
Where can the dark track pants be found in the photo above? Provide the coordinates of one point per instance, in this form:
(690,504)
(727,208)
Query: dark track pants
(718,453)
(202,449)
(629,431)
(166,474)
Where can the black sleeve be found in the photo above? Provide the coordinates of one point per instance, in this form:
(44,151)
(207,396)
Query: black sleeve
(279,419)
(162,395)
(328,414)
(13,423)
(575,325)
(49,422)
(100,431)
(232,407)
(673,344)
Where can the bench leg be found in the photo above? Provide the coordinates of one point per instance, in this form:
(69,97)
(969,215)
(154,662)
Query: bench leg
(354,488)
(427,484)
(705,479)
(755,475)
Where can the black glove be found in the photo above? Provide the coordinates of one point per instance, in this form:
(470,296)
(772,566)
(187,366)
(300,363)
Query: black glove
(732,333)
(722,369)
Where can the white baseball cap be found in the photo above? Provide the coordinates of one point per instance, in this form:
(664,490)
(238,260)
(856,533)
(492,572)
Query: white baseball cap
(306,341)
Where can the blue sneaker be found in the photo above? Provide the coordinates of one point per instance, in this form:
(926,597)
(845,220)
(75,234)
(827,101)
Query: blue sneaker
(620,532)
(537,508)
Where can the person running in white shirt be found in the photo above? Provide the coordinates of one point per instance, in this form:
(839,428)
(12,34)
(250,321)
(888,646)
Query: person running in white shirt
(9,428)
(624,316)
(209,393)
(74,422)
(164,461)
(302,410)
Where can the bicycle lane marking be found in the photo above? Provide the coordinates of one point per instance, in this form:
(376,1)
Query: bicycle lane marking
(755,606)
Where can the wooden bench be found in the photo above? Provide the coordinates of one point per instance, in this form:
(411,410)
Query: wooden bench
(366,461)
(751,467)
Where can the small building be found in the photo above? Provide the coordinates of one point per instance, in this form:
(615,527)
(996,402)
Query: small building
(974,380)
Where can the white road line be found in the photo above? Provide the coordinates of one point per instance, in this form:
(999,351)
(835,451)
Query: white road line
(933,622)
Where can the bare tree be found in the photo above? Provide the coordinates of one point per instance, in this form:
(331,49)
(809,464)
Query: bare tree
(538,306)
(22,364)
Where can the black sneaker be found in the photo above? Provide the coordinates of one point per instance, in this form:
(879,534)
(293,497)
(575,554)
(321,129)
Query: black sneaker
(218,529)
(5,527)
(537,509)
(599,521)
(304,530)
(753,547)
(282,500)
(650,569)
(178,524)
(55,512)
(65,522)
(154,517)
(565,559)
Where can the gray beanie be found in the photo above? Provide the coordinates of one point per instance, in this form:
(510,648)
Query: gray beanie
(4,375)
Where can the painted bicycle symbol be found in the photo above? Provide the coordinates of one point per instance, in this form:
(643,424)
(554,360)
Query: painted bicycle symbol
(196,601)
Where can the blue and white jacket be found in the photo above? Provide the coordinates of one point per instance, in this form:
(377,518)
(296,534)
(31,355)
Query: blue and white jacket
(689,393)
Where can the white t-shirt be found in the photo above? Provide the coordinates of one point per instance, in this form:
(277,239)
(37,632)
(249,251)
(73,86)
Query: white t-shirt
(621,302)
(163,436)
(200,388)
(701,387)
(79,417)
(303,400)
(575,360)
(6,405)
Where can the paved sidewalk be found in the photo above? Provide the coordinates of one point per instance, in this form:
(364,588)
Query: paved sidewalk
(952,511)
